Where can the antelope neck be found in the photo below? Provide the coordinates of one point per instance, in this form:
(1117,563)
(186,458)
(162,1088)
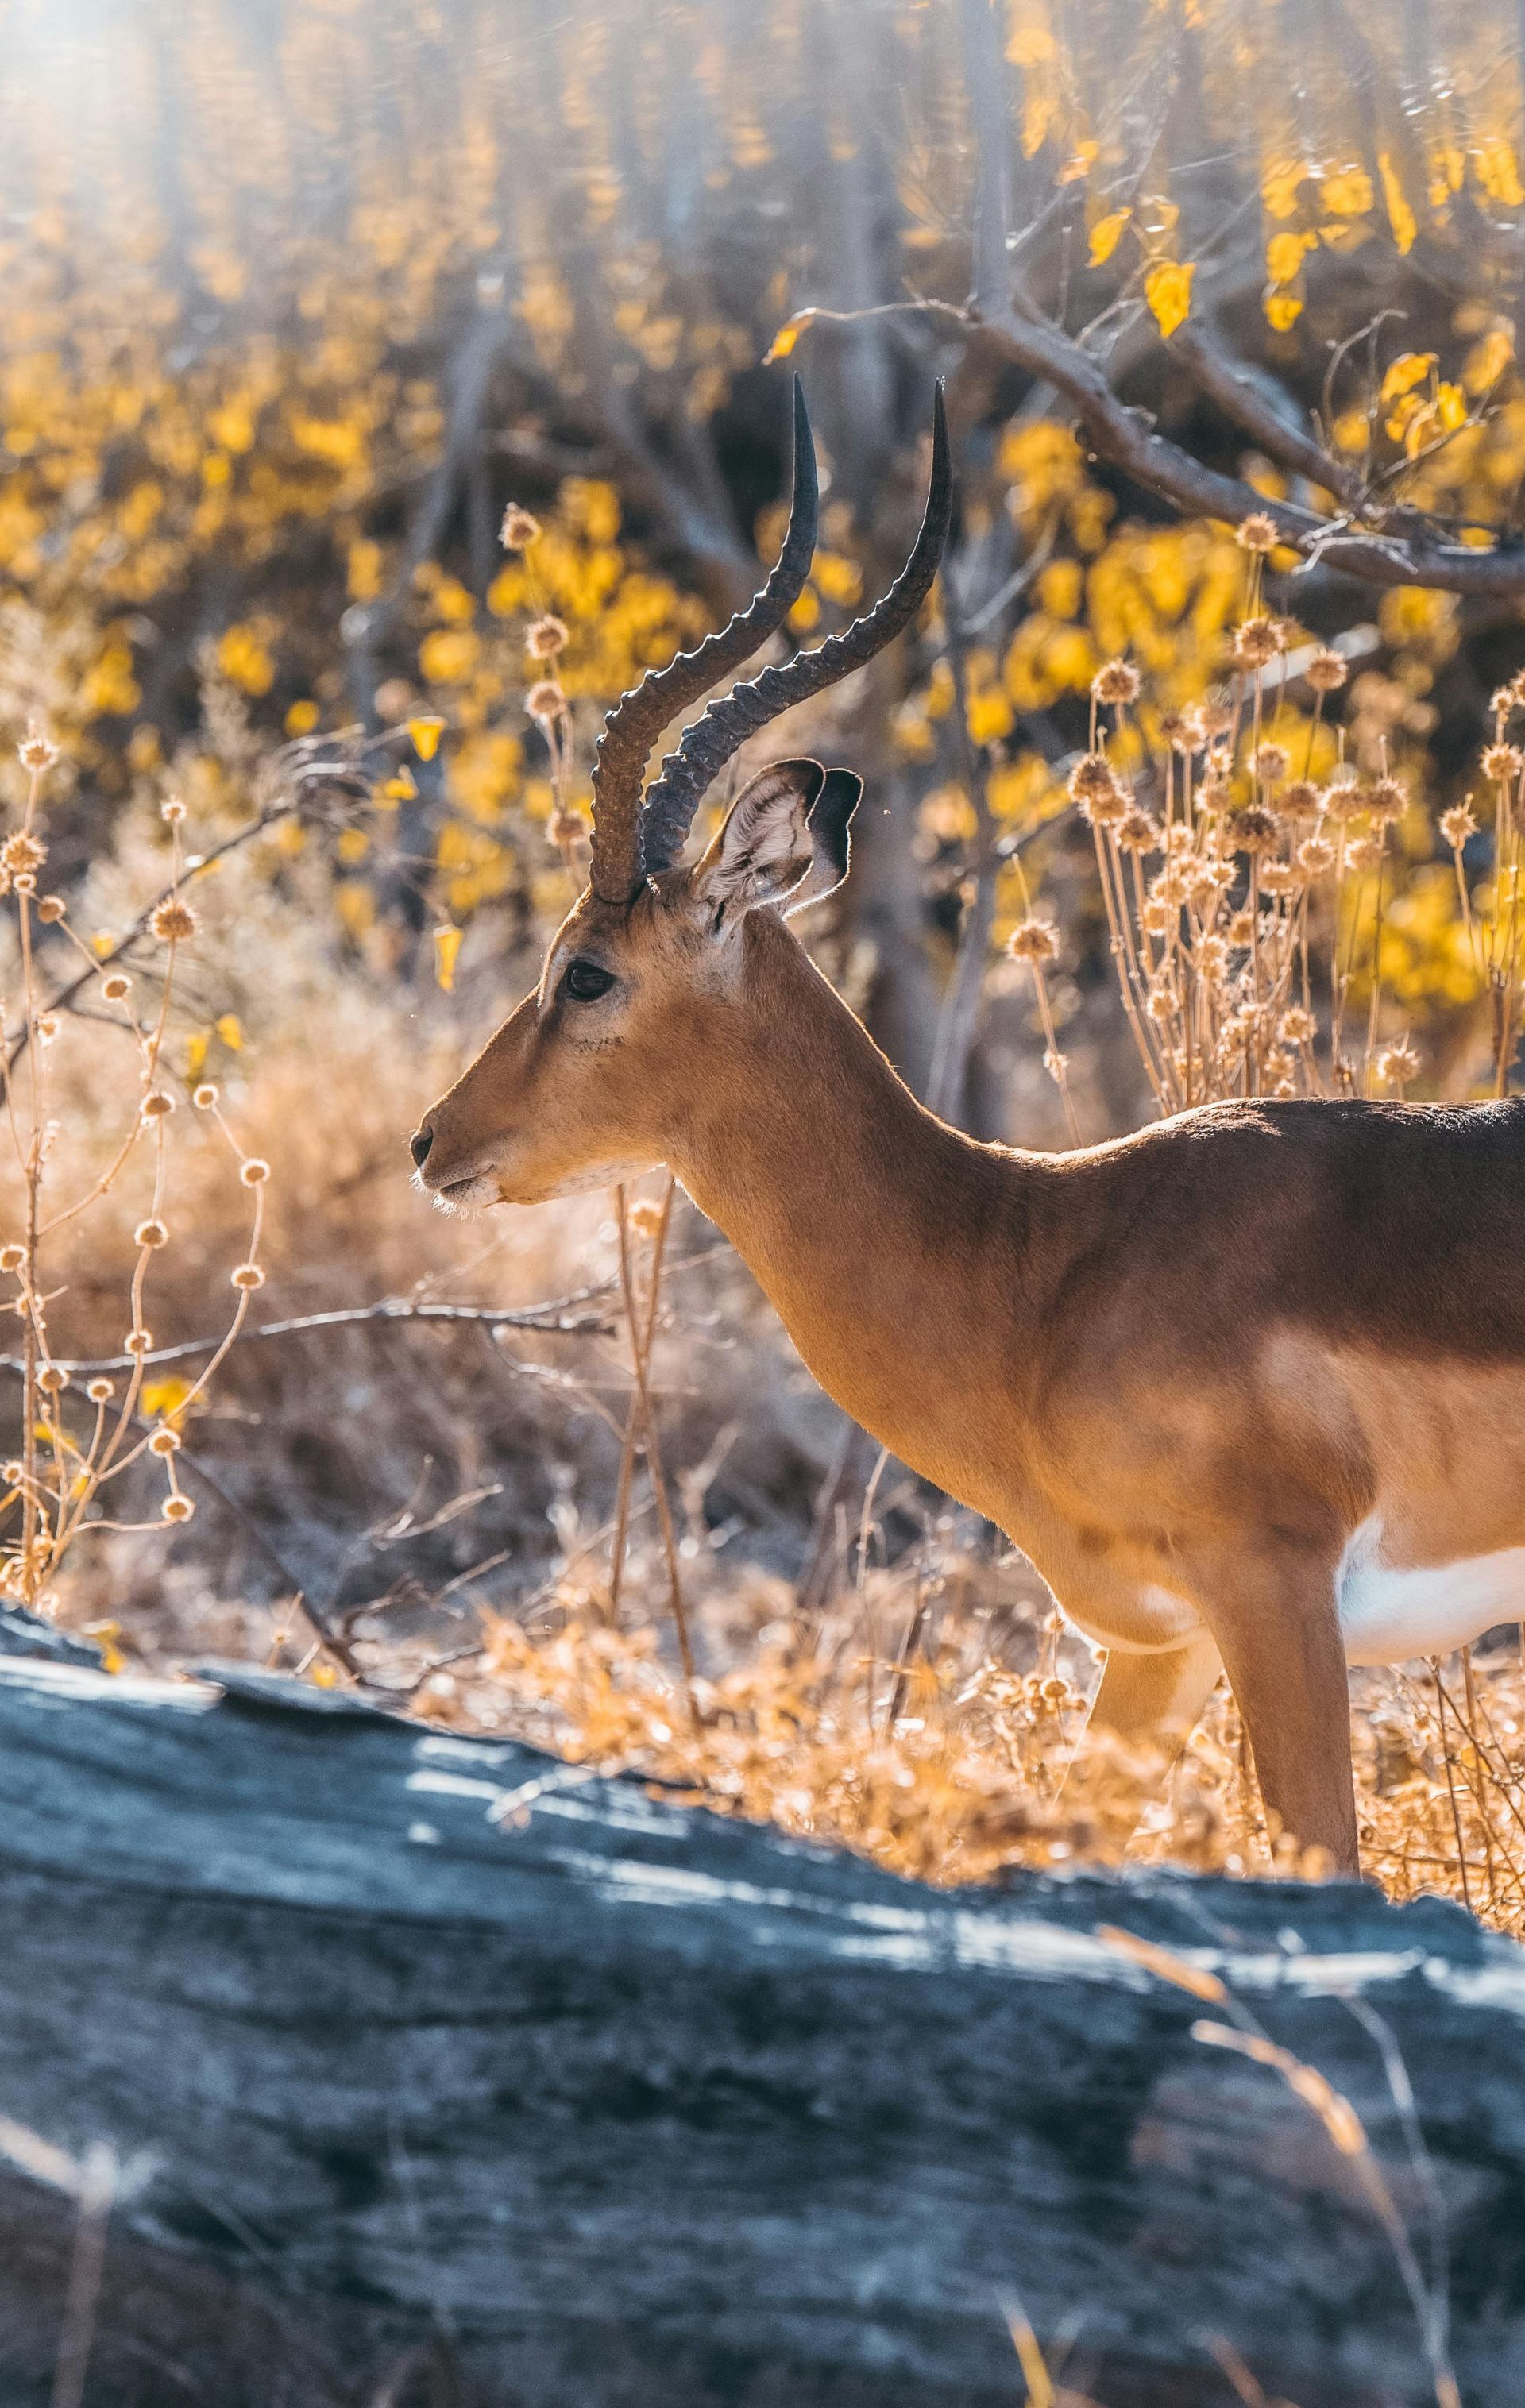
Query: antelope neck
(892,1247)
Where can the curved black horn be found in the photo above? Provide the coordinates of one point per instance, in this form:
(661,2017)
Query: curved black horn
(675,795)
(640,716)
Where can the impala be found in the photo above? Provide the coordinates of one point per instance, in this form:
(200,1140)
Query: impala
(1247,1387)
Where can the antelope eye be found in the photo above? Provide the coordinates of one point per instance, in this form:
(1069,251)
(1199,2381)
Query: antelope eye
(586,982)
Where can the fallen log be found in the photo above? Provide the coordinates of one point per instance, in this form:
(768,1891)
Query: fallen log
(464,2076)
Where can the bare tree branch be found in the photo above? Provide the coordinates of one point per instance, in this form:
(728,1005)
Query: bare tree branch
(1127,439)
(555,1318)
(1242,397)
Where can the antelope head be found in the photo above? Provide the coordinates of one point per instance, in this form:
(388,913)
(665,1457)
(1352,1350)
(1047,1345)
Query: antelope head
(591,1079)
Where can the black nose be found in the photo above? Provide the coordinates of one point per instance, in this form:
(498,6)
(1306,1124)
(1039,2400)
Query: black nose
(419,1144)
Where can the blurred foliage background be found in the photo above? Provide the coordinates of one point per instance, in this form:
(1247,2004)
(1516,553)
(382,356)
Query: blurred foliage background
(300,295)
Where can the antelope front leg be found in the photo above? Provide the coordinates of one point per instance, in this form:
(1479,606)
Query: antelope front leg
(1275,1615)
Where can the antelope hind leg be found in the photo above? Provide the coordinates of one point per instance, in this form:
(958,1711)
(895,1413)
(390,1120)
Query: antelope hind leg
(1156,1696)
(1141,1695)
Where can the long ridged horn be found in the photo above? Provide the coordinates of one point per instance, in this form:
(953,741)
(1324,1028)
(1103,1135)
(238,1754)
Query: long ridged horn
(708,745)
(640,716)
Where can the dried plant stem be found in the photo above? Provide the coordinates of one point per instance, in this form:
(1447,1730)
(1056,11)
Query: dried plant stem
(654,1458)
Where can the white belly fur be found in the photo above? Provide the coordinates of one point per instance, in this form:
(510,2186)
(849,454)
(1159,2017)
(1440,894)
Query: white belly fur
(1389,1613)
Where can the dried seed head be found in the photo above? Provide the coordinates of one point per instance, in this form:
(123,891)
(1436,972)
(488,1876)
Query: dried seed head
(51,909)
(1033,940)
(1253,831)
(165,1440)
(1343,800)
(1240,928)
(1316,856)
(546,638)
(12,1258)
(1256,641)
(1278,877)
(1327,671)
(37,751)
(137,1341)
(204,1097)
(520,526)
(1154,918)
(177,1507)
(248,1275)
(645,1217)
(1093,774)
(1298,1025)
(1160,1002)
(1396,1064)
(1502,701)
(1258,532)
(1217,718)
(1457,826)
(12,1474)
(1368,852)
(116,988)
(100,1392)
(1212,956)
(1115,682)
(173,922)
(1137,831)
(1272,763)
(1500,762)
(150,1234)
(156,1105)
(546,701)
(48,1026)
(254,1172)
(172,810)
(22,852)
(1302,799)
(25,883)
(53,1378)
(1386,798)
(566,827)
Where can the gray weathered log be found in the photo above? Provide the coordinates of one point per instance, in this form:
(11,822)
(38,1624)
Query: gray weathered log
(469,2077)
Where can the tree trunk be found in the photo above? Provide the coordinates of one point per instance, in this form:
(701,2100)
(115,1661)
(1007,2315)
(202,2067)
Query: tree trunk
(468,2077)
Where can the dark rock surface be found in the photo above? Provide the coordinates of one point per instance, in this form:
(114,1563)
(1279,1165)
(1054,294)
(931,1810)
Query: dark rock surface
(468,2077)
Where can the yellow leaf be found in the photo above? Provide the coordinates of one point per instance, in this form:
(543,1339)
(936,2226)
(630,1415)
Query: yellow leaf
(1079,163)
(1167,288)
(1488,360)
(231,1033)
(1106,234)
(447,944)
(1451,404)
(1399,216)
(1282,309)
(1497,171)
(324,1676)
(426,732)
(1348,192)
(196,1057)
(1279,186)
(1407,370)
(1285,254)
(783,341)
(164,1399)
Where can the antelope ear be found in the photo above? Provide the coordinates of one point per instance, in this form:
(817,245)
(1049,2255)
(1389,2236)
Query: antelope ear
(783,841)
